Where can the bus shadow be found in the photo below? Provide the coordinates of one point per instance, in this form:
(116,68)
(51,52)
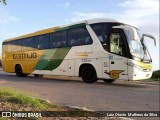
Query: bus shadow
(66,80)
(12,77)
(123,84)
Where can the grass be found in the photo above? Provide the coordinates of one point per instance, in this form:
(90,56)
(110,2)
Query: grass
(21,97)
(155,79)
(16,100)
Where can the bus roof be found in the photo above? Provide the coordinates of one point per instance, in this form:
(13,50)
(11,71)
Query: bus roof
(44,31)
(49,30)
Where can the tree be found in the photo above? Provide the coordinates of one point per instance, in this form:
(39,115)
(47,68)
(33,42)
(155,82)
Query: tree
(156,75)
(4,2)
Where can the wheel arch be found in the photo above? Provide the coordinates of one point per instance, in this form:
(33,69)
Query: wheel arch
(18,65)
(84,65)
(19,70)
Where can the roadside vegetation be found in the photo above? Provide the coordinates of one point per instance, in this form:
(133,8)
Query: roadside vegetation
(16,100)
(3,1)
(12,99)
(156,75)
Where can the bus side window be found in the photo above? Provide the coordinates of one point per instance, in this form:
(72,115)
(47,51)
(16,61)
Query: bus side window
(102,31)
(42,41)
(28,44)
(16,46)
(88,40)
(58,39)
(79,36)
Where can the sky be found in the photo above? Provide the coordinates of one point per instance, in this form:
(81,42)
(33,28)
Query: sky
(19,17)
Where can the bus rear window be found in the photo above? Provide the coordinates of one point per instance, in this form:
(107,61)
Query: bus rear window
(7,47)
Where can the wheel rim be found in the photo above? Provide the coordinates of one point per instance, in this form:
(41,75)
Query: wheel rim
(88,74)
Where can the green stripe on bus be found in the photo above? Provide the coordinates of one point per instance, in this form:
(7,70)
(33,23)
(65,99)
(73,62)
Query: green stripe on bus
(45,58)
(72,26)
(50,60)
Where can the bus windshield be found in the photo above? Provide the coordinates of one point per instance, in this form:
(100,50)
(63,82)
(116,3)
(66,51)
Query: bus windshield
(137,47)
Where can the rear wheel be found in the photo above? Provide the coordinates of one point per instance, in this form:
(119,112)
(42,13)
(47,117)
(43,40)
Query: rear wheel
(88,74)
(108,80)
(38,75)
(19,71)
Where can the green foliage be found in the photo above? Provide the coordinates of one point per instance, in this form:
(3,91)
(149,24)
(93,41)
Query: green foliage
(4,2)
(156,75)
(20,97)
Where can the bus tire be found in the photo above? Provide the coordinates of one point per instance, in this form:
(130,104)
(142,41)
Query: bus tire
(38,75)
(108,80)
(88,74)
(19,71)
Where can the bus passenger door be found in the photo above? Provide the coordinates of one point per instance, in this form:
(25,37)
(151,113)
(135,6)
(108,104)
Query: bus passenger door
(118,55)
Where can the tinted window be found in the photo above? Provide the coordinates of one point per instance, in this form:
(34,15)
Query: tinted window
(79,36)
(58,39)
(42,41)
(28,44)
(16,46)
(102,31)
(117,45)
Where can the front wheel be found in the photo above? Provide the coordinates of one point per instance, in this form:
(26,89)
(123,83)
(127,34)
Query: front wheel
(89,74)
(108,80)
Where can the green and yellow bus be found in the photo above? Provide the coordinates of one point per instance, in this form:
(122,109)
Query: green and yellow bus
(95,49)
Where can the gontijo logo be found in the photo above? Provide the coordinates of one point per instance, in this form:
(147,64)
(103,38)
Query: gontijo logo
(25,55)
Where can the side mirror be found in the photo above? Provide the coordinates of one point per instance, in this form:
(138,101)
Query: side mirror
(150,36)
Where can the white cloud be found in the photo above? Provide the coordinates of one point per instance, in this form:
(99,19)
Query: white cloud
(141,13)
(77,16)
(67,4)
(139,10)
(141,4)
(5,35)
(64,4)
(135,12)
(5,17)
